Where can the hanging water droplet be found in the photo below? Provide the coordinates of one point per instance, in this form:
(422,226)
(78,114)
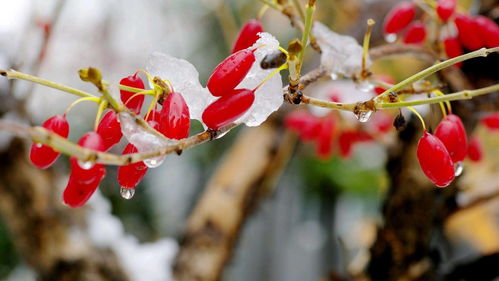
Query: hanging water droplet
(85,165)
(364,116)
(390,37)
(458,168)
(38,145)
(365,86)
(334,76)
(127,193)
(154,162)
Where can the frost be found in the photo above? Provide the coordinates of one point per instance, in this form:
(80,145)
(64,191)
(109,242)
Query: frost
(185,80)
(341,54)
(141,139)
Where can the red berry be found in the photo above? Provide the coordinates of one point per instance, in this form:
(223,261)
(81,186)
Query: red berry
(399,17)
(491,121)
(445,9)
(230,72)
(248,35)
(228,108)
(175,118)
(109,129)
(304,123)
(384,78)
(90,140)
(453,49)
(453,135)
(43,156)
(435,160)
(77,193)
(154,115)
(130,175)
(416,33)
(488,30)
(324,146)
(135,103)
(349,138)
(475,151)
(468,34)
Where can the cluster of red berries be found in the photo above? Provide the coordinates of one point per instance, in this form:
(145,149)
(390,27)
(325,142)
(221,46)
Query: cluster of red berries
(472,32)
(233,103)
(173,121)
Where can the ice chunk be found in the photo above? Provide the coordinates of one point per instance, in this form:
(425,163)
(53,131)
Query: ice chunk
(268,98)
(341,54)
(185,80)
(143,140)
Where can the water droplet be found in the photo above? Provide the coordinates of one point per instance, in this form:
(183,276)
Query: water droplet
(85,165)
(221,135)
(364,116)
(334,76)
(458,168)
(127,193)
(38,145)
(365,86)
(390,37)
(154,162)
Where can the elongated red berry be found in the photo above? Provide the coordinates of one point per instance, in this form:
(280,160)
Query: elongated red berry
(109,129)
(43,156)
(435,160)
(453,48)
(135,103)
(475,151)
(77,193)
(416,33)
(130,175)
(399,17)
(228,108)
(491,121)
(86,172)
(304,123)
(230,72)
(248,35)
(467,34)
(488,31)
(445,9)
(175,118)
(453,135)
(349,138)
(324,147)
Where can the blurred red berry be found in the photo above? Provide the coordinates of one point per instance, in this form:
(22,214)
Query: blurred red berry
(491,121)
(248,35)
(416,33)
(488,30)
(135,103)
(399,17)
(324,145)
(445,9)
(475,151)
(453,49)
(468,35)
(349,138)
(304,123)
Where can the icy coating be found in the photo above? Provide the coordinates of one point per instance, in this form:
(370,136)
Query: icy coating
(185,80)
(341,54)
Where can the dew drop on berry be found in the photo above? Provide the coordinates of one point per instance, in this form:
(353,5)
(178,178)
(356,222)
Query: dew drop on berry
(458,168)
(127,193)
(38,145)
(364,116)
(154,162)
(85,165)
(390,37)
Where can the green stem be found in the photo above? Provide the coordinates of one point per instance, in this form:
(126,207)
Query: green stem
(272,4)
(136,90)
(306,33)
(12,74)
(439,66)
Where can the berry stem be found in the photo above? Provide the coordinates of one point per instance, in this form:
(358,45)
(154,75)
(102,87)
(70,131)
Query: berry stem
(367,37)
(136,90)
(306,33)
(272,4)
(12,74)
(418,115)
(102,105)
(282,67)
(447,103)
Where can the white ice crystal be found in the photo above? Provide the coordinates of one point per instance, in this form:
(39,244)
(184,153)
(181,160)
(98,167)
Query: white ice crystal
(341,54)
(185,80)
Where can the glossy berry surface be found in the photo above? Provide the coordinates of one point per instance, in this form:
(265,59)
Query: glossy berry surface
(304,123)
(491,121)
(93,141)
(227,109)
(416,33)
(453,48)
(324,144)
(43,156)
(230,72)
(435,160)
(248,35)
(475,151)
(453,135)
(445,9)
(467,33)
(135,103)
(77,193)
(399,17)
(110,130)
(175,118)
(130,175)
(488,30)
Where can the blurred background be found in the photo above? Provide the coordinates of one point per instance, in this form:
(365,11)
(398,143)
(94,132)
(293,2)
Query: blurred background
(302,218)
